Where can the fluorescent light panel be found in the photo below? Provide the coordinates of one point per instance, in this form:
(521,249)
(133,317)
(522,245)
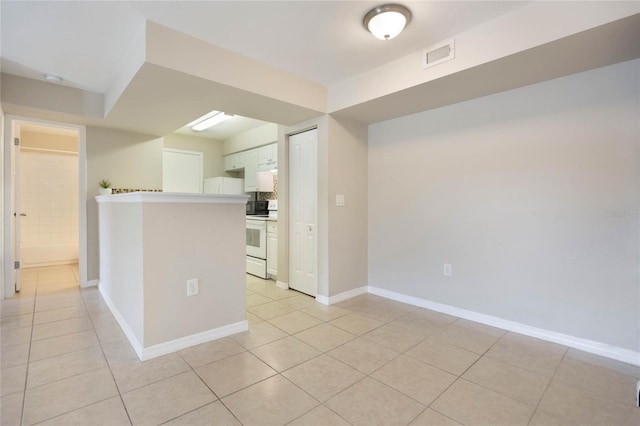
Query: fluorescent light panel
(209,120)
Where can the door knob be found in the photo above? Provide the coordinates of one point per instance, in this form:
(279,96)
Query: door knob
(23,214)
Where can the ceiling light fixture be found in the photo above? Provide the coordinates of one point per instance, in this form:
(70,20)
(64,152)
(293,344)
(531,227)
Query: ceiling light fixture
(209,120)
(52,78)
(387,21)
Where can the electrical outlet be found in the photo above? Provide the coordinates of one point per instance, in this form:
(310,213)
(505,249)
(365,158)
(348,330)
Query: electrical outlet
(192,287)
(448,271)
(340,200)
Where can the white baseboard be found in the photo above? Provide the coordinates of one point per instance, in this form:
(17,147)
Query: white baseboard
(341,296)
(133,340)
(192,340)
(591,346)
(284,286)
(160,349)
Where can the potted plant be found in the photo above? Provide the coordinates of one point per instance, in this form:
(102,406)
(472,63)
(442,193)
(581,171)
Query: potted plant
(105,187)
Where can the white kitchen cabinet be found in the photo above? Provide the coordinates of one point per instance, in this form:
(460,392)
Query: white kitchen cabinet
(254,181)
(234,162)
(250,170)
(272,248)
(268,156)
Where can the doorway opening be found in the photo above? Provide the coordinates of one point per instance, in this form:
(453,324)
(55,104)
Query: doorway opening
(49,199)
(46,189)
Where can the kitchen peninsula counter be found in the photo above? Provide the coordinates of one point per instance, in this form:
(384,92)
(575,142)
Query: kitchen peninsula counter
(150,245)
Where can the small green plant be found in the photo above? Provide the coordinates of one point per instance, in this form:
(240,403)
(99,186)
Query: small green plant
(104,183)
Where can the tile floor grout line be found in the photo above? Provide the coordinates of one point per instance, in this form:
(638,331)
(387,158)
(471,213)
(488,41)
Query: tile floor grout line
(71,411)
(458,377)
(104,355)
(322,352)
(106,360)
(311,396)
(548,385)
(75,375)
(26,374)
(212,391)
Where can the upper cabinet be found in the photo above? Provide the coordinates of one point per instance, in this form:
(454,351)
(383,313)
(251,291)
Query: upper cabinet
(255,160)
(250,169)
(234,162)
(268,156)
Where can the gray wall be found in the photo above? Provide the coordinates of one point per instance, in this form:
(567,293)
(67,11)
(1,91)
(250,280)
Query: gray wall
(532,195)
(128,160)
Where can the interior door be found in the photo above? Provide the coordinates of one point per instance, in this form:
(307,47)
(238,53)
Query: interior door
(303,198)
(182,171)
(15,207)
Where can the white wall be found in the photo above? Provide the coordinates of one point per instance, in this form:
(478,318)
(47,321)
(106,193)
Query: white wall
(128,160)
(532,195)
(213,161)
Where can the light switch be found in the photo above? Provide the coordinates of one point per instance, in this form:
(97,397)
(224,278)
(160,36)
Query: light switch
(340,200)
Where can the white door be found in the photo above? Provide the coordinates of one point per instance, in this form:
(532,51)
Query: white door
(182,171)
(250,170)
(303,198)
(17,213)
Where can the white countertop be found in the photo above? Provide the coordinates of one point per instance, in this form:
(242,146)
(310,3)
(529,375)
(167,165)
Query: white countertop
(264,218)
(172,197)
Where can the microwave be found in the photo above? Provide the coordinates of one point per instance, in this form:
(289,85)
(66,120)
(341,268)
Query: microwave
(257,207)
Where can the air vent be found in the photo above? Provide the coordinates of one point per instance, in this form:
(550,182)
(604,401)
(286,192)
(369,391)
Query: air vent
(438,53)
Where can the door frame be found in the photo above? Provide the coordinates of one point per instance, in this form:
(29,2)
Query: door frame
(10,123)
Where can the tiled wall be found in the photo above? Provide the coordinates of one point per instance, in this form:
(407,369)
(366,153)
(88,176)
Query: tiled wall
(49,197)
(127,190)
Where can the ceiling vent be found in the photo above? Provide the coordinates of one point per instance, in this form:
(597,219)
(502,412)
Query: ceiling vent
(438,53)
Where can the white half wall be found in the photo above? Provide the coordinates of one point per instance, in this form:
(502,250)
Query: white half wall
(532,195)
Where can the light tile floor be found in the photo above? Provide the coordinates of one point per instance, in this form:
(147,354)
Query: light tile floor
(365,361)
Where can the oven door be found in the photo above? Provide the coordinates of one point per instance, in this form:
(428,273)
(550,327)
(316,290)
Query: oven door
(257,238)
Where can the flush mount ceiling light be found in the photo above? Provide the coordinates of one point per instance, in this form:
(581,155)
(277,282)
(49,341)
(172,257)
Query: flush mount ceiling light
(52,78)
(209,120)
(387,21)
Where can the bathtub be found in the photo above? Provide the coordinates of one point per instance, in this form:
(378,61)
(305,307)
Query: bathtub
(48,254)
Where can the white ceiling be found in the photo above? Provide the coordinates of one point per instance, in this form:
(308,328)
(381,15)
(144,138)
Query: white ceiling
(142,66)
(84,42)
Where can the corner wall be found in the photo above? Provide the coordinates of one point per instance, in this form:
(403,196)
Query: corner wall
(342,231)
(532,195)
(128,160)
(347,224)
